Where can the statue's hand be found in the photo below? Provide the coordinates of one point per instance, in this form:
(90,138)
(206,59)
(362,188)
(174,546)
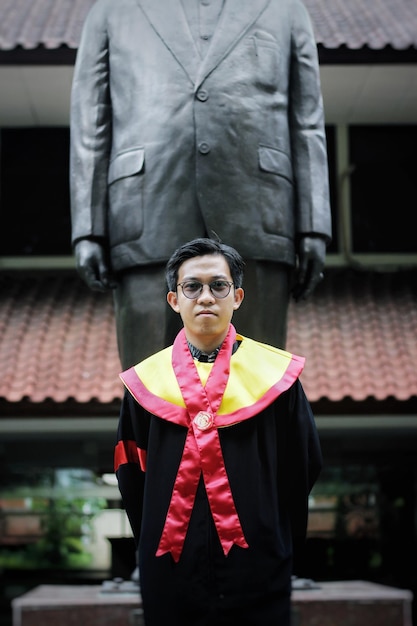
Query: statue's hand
(92,265)
(311,259)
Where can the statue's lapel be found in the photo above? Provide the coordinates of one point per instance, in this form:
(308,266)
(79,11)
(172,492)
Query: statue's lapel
(168,19)
(236,18)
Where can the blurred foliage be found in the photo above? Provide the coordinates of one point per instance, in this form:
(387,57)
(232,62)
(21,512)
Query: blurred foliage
(65,518)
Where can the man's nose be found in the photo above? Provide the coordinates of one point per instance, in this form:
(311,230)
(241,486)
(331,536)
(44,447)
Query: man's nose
(206,295)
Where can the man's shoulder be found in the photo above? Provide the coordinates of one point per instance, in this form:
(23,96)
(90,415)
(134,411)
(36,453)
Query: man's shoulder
(252,347)
(266,364)
(103,9)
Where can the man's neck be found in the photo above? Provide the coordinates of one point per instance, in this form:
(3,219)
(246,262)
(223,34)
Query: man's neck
(206,343)
(202,355)
(209,357)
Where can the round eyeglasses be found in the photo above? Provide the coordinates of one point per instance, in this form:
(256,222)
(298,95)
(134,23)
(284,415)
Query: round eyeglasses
(193,288)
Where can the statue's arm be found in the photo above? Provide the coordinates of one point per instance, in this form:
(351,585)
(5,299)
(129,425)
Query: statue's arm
(309,156)
(90,130)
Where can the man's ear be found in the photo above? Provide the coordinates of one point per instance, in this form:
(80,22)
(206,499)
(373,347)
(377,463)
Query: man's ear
(172,300)
(239,295)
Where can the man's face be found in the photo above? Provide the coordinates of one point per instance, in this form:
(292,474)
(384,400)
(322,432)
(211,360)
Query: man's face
(206,318)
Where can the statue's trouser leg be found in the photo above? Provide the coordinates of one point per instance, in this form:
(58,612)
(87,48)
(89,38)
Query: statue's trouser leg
(145,322)
(263,313)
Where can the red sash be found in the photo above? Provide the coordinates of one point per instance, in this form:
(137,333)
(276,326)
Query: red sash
(202,452)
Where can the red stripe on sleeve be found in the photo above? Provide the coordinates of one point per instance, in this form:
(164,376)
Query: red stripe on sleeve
(128,452)
(142,459)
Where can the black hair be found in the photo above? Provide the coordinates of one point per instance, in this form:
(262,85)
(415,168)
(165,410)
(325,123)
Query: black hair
(200,247)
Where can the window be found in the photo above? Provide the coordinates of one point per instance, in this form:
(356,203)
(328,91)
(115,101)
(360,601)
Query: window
(34,192)
(383,188)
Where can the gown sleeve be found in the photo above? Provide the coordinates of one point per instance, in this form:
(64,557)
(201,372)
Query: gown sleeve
(130,459)
(304,459)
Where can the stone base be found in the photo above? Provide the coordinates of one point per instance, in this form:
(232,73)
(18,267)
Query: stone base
(67,605)
(352,603)
(342,603)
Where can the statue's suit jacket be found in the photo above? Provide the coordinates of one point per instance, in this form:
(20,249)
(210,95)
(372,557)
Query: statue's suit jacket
(167,145)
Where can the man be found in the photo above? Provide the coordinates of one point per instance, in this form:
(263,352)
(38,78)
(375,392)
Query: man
(193,119)
(217,453)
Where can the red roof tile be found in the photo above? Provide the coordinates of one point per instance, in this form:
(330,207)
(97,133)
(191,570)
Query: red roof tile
(49,23)
(358,23)
(358,334)
(354,23)
(57,341)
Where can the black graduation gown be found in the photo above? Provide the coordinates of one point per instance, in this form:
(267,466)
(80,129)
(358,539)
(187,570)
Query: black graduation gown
(272,462)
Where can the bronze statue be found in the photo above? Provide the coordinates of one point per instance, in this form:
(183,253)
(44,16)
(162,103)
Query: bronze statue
(191,119)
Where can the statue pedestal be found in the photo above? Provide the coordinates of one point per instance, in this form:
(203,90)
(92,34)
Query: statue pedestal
(342,603)
(352,602)
(78,605)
